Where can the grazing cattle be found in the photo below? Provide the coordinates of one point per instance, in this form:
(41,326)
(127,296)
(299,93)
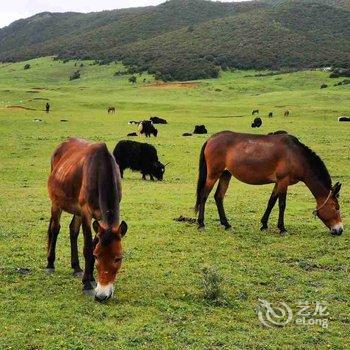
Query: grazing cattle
(157,120)
(132,134)
(200,129)
(85,182)
(344,119)
(138,156)
(47,107)
(64,120)
(255,111)
(324,86)
(146,127)
(270,115)
(278,132)
(187,134)
(265,159)
(134,122)
(257,123)
(287,113)
(111,110)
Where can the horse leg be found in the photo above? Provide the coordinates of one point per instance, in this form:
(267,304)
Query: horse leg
(74,232)
(209,184)
(219,197)
(270,205)
(53,231)
(88,277)
(282,206)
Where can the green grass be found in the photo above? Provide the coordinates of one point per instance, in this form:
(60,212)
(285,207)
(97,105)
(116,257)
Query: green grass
(160,299)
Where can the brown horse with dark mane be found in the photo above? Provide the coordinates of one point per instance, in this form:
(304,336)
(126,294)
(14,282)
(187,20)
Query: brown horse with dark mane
(85,181)
(262,159)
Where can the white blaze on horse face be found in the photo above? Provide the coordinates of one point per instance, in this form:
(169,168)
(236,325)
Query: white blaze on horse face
(338,227)
(104,292)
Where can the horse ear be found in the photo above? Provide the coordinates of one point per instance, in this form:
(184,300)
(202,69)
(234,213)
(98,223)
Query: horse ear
(336,189)
(96,226)
(123,228)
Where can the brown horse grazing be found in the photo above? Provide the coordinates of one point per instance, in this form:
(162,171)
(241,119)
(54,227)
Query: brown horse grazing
(262,159)
(85,181)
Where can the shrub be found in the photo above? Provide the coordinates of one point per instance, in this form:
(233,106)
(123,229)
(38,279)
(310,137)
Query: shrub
(75,75)
(133,79)
(211,284)
(120,72)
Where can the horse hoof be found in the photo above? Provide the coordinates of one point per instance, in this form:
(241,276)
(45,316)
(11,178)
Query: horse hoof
(78,274)
(263,228)
(284,232)
(49,270)
(89,285)
(201,227)
(227,226)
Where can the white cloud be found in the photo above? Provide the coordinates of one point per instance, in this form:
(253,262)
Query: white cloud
(16,9)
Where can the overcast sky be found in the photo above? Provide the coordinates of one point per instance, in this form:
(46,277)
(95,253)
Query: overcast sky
(11,10)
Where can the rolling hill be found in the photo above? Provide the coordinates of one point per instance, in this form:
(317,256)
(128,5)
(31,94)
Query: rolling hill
(191,39)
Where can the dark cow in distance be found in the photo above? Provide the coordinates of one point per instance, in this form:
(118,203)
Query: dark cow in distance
(111,109)
(270,114)
(158,120)
(257,123)
(146,127)
(200,129)
(255,111)
(138,156)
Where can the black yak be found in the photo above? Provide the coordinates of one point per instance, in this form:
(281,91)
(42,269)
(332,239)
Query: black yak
(270,114)
(200,129)
(344,119)
(146,127)
(255,111)
(257,123)
(138,156)
(158,120)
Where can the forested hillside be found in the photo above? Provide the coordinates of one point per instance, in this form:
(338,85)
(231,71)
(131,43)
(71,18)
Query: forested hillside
(191,39)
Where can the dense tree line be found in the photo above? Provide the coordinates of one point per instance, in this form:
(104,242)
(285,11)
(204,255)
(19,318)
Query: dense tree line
(192,39)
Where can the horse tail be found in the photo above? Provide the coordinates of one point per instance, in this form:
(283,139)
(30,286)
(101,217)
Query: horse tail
(202,176)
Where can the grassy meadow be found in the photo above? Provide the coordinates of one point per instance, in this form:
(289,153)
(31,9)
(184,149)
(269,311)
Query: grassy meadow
(159,301)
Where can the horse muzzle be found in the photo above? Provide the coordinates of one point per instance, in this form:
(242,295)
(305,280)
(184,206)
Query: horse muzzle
(103,293)
(337,229)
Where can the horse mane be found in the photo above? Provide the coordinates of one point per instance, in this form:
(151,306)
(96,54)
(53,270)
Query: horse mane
(317,165)
(109,196)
